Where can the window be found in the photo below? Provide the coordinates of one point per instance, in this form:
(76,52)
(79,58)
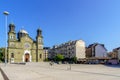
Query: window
(11,37)
(40,55)
(12,55)
(27,45)
(39,40)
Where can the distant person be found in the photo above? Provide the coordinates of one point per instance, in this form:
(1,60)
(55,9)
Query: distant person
(51,63)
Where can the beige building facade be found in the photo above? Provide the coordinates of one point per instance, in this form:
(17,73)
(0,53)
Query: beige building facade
(69,49)
(22,48)
(117,53)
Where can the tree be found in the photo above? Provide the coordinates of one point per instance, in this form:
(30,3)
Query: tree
(46,59)
(74,59)
(2,51)
(59,57)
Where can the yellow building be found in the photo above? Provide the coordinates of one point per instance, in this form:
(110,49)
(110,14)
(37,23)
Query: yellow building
(23,48)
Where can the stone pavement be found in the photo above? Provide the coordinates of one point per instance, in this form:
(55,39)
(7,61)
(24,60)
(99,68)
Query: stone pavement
(43,71)
(1,77)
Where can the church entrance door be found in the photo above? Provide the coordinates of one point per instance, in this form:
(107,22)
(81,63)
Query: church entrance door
(27,56)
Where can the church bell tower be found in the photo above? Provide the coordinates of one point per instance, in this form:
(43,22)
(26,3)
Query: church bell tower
(11,33)
(39,44)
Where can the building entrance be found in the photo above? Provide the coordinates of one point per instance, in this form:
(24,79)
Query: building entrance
(27,56)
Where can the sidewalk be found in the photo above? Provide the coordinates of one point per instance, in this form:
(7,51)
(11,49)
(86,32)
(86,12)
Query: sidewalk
(2,74)
(1,77)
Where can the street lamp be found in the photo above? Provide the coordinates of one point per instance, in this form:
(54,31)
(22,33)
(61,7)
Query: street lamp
(70,60)
(6,14)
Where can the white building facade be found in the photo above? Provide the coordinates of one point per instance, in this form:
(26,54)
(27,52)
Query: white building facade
(98,50)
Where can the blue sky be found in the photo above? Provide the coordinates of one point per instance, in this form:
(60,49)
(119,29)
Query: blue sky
(64,20)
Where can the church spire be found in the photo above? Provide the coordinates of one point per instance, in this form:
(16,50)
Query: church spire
(11,27)
(11,33)
(39,32)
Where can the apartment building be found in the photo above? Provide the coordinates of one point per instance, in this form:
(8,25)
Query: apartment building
(69,49)
(96,50)
(46,52)
(117,51)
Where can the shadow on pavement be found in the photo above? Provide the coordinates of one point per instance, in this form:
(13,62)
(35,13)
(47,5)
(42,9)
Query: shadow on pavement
(113,66)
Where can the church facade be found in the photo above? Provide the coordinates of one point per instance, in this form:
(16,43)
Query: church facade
(22,48)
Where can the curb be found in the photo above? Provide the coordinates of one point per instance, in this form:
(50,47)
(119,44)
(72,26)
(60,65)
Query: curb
(4,75)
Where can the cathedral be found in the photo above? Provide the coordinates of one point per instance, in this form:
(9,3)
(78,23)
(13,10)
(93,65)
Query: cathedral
(22,48)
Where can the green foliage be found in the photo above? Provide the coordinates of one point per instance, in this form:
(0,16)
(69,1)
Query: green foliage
(74,59)
(46,59)
(2,51)
(59,57)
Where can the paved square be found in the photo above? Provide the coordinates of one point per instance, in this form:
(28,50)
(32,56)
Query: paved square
(43,71)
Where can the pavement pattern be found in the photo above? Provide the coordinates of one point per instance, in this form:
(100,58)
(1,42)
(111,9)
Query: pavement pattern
(43,71)
(1,77)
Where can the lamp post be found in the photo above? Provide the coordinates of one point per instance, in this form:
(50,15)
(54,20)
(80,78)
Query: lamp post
(6,14)
(70,60)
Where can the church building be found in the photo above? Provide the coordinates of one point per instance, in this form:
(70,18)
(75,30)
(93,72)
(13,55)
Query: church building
(22,48)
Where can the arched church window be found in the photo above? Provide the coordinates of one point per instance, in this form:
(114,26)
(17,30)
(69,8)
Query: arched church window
(27,45)
(12,55)
(39,40)
(11,37)
(40,55)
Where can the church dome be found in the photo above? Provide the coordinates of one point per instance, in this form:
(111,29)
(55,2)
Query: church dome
(23,31)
